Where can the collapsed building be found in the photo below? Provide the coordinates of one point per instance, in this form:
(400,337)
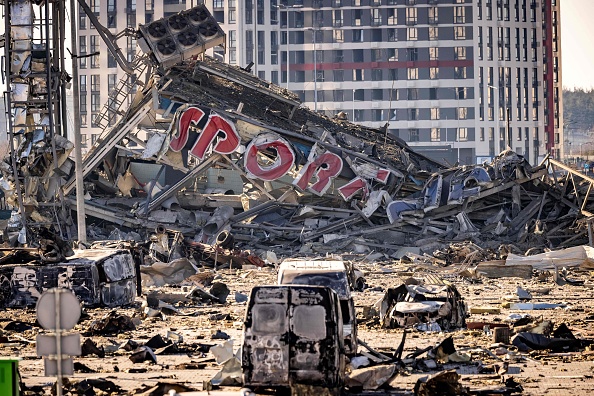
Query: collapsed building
(213,164)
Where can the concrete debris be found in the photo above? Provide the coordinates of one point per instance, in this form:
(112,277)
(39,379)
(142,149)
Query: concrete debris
(445,383)
(370,378)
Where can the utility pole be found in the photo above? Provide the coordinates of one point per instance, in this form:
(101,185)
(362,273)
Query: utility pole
(80,193)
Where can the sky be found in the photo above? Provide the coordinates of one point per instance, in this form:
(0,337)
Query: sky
(577,45)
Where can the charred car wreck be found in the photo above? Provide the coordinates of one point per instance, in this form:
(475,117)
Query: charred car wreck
(414,305)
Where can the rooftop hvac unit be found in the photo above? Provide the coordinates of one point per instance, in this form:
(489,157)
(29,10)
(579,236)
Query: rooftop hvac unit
(181,36)
(157,30)
(177,22)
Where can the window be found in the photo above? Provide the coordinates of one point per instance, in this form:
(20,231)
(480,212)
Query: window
(433,73)
(413,73)
(377,94)
(82,20)
(111,6)
(459,72)
(377,75)
(413,114)
(435,113)
(83,51)
(358,75)
(413,135)
(412,94)
(435,135)
(358,55)
(95,50)
(392,16)
(432,93)
(95,102)
(338,36)
(356,17)
(460,53)
(462,134)
(377,55)
(459,16)
(357,35)
(482,134)
(433,33)
(95,83)
(411,16)
(376,18)
(377,115)
(338,56)
(338,75)
(392,35)
(411,33)
(462,113)
(412,54)
(433,53)
(432,12)
(338,95)
(459,33)
(337,20)
(95,6)
(359,94)
(111,61)
(232,16)
(111,82)
(392,54)
(83,84)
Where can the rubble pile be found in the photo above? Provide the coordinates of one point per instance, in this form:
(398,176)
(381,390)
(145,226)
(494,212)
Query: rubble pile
(300,183)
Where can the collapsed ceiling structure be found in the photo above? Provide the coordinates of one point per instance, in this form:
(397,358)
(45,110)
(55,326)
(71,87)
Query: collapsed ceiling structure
(208,151)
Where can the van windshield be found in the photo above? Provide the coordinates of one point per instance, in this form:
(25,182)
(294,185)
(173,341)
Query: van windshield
(335,280)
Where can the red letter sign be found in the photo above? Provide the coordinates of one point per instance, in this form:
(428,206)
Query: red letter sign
(324,167)
(217,132)
(285,158)
(190,116)
(349,190)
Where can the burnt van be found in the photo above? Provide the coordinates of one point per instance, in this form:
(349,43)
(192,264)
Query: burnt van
(332,274)
(292,339)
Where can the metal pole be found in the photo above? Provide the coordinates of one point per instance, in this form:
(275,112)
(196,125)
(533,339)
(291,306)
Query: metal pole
(58,331)
(315,73)
(80,193)
(497,132)
(255,37)
(288,59)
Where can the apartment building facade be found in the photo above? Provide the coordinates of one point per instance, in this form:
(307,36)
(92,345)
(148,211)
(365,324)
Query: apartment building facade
(458,79)
(98,70)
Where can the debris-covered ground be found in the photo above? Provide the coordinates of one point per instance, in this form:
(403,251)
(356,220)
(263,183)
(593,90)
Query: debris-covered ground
(181,325)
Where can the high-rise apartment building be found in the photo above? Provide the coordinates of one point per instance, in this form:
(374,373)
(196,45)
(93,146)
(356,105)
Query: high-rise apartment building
(458,79)
(99,72)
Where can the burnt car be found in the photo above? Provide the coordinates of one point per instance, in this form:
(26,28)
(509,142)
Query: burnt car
(292,338)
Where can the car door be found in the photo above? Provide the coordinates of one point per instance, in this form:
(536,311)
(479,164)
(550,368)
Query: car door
(266,341)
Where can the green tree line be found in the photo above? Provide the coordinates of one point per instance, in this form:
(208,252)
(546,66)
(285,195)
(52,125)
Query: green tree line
(578,109)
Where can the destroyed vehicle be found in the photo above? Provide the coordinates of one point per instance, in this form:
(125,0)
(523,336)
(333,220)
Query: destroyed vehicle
(332,274)
(292,338)
(410,305)
(98,277)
